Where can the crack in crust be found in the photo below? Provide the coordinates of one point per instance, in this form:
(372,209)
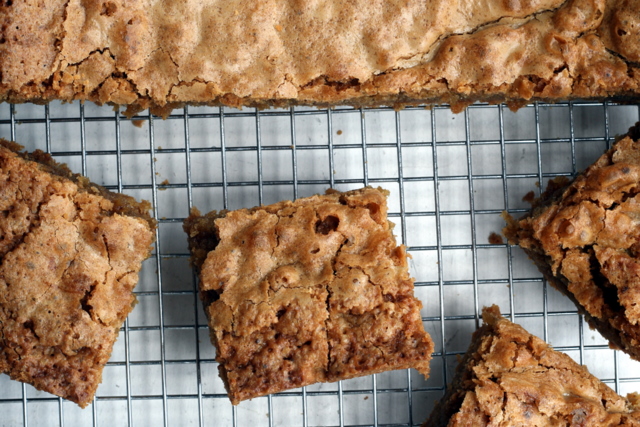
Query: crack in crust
(583,235)
(283,53)
(66,288)
(510,377)
(309,291)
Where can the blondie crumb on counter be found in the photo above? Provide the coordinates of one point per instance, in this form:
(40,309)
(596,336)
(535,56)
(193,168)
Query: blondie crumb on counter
(584,236)
(70,253)
(509,377)
(306,291)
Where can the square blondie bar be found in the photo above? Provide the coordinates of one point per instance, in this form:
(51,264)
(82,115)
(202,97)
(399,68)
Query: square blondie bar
(584,236)
(70,253)
(306,291)
(509,377)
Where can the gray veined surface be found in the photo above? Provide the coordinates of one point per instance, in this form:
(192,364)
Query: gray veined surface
(450,177)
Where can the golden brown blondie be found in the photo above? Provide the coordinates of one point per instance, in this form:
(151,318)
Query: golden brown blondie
(314,290)
(162,55)
(70,253)
(584,236)
(509,377)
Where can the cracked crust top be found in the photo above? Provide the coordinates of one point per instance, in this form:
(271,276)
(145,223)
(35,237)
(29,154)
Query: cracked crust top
(509,377)
(585,237)
(263,53)
(69,259)
(307,291)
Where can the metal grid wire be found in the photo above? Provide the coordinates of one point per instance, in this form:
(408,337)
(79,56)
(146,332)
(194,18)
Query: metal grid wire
(450,177)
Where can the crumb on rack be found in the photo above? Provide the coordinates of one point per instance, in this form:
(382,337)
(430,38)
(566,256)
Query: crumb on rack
(495,239)
(165,182)
(529,197)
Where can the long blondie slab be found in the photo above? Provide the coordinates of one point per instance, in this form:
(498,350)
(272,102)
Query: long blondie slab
(70,253)
(162,55)
(584,236)
(314,290)
(509,377)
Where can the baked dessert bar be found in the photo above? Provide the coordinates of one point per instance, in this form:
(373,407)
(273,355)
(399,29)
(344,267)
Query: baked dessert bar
(314,290)
(509,377)
(584,236)
(70,253)
(162,55)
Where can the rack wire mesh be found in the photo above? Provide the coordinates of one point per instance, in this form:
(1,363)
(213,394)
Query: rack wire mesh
(450,177)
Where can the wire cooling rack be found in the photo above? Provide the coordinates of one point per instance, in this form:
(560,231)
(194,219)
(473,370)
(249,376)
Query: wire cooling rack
(450,177)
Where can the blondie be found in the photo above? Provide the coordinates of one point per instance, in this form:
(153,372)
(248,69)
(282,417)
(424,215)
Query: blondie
(314,290)
(70,253)
(509,377)
(265,53)
(584,237)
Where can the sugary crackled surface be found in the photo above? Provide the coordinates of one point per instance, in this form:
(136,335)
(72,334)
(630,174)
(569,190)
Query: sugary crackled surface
(308,291)
(511,378)
(162,54)
(585,235)
(68,264)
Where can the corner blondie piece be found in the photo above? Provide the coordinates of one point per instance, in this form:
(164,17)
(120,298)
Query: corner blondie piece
(70,252)
(509,377)
(584,236)
(314,290)
(265,53)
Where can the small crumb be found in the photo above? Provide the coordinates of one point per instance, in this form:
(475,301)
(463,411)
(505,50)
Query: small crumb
(495,239)
(155,159)
(529,197)
(278,27)
(165,182)
(137,123)
(159,147)
(339,132)
(366,398)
